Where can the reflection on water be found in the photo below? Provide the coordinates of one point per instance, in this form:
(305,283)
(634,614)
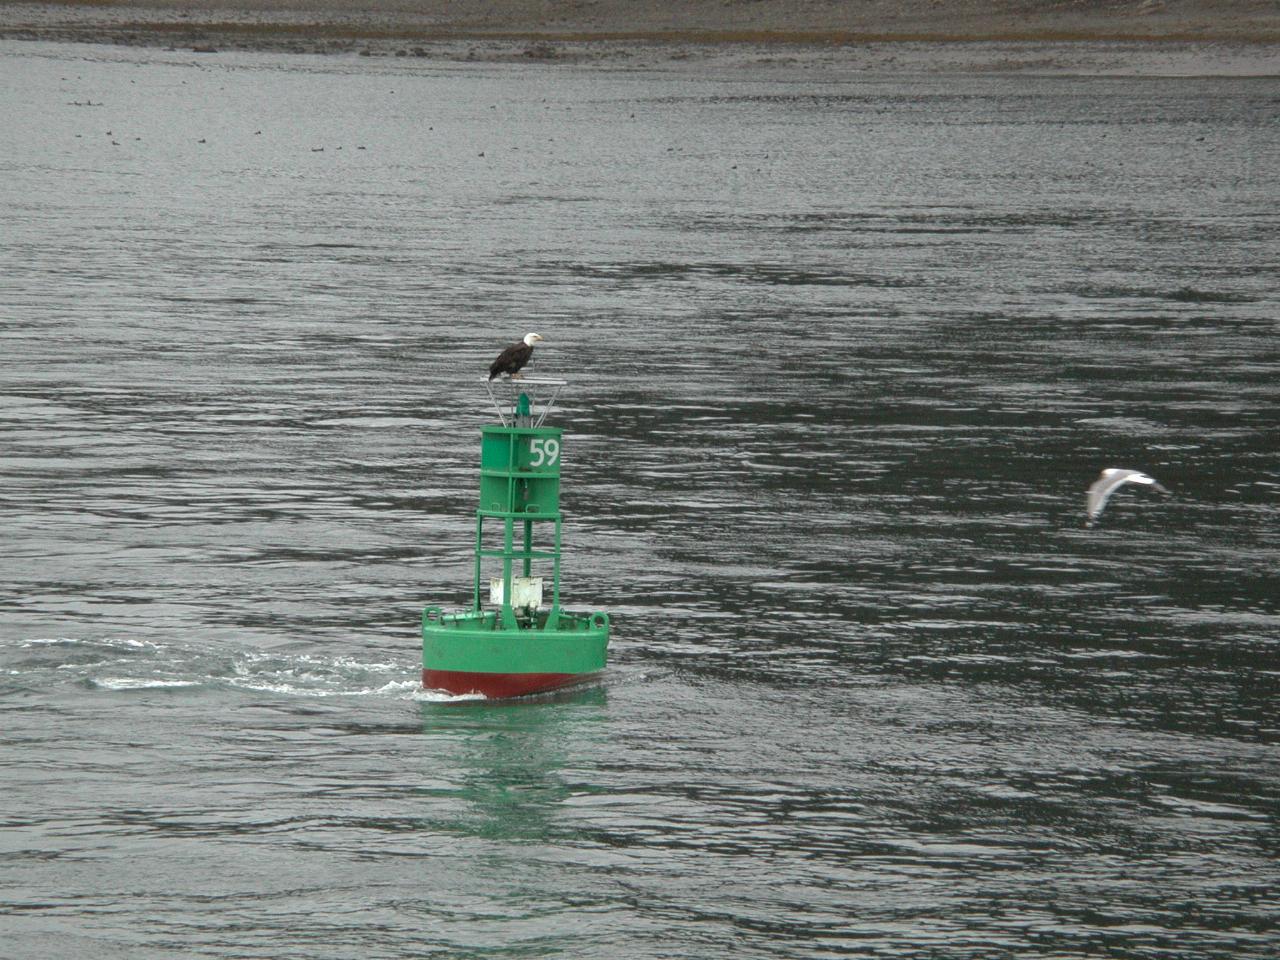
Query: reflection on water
(507,762)
(845,353)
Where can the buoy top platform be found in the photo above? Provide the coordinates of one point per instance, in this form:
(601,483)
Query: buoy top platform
(516,638)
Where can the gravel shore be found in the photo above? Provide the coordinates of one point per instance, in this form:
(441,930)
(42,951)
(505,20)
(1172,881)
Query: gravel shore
(1137,37)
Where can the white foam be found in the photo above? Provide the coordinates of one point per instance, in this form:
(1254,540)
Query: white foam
(358,665)
(133,683)
(400,686)
(439,696)
(72,641)
(400,689)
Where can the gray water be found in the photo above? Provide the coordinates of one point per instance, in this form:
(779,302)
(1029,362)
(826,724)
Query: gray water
(845,352)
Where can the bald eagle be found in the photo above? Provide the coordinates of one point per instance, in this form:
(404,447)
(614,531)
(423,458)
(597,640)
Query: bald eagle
(514,357)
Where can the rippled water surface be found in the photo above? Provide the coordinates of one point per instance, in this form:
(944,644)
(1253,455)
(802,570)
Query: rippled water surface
(845,352)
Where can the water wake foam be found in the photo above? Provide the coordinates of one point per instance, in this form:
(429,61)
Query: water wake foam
(119,664)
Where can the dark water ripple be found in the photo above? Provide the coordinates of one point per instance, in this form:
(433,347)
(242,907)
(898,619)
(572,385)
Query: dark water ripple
(845,353)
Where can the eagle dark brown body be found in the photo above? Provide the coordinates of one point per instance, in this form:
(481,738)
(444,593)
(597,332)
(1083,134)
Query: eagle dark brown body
(511,360)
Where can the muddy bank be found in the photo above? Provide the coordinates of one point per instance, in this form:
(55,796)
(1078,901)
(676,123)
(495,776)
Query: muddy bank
(1240,37)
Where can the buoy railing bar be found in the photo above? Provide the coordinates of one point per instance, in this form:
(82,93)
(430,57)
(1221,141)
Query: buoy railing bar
(508,515)
(551,401)
(519,474)
(501,416)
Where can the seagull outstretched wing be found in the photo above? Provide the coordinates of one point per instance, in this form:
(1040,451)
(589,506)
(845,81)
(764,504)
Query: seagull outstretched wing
(1112,479)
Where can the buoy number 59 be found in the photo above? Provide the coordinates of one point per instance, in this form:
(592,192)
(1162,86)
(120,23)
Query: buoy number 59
(544,452)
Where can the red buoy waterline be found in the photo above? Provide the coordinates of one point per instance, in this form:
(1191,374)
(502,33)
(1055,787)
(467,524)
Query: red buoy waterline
(496,686)
(515,646)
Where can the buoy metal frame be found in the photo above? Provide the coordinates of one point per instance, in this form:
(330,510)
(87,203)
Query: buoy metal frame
(513,415)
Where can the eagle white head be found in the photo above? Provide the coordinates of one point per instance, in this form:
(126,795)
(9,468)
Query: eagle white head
(531,338)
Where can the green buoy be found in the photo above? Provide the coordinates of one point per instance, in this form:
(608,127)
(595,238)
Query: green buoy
(517,645)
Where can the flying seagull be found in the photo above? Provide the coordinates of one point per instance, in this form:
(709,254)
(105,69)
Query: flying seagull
(1111,480)
(514,357)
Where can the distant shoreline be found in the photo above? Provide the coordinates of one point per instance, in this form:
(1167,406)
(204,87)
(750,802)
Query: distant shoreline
(1138,37)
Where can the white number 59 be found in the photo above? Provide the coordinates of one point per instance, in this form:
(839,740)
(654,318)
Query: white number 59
(544,452)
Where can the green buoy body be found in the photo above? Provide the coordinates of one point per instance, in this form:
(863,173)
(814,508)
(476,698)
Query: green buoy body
(518,645)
